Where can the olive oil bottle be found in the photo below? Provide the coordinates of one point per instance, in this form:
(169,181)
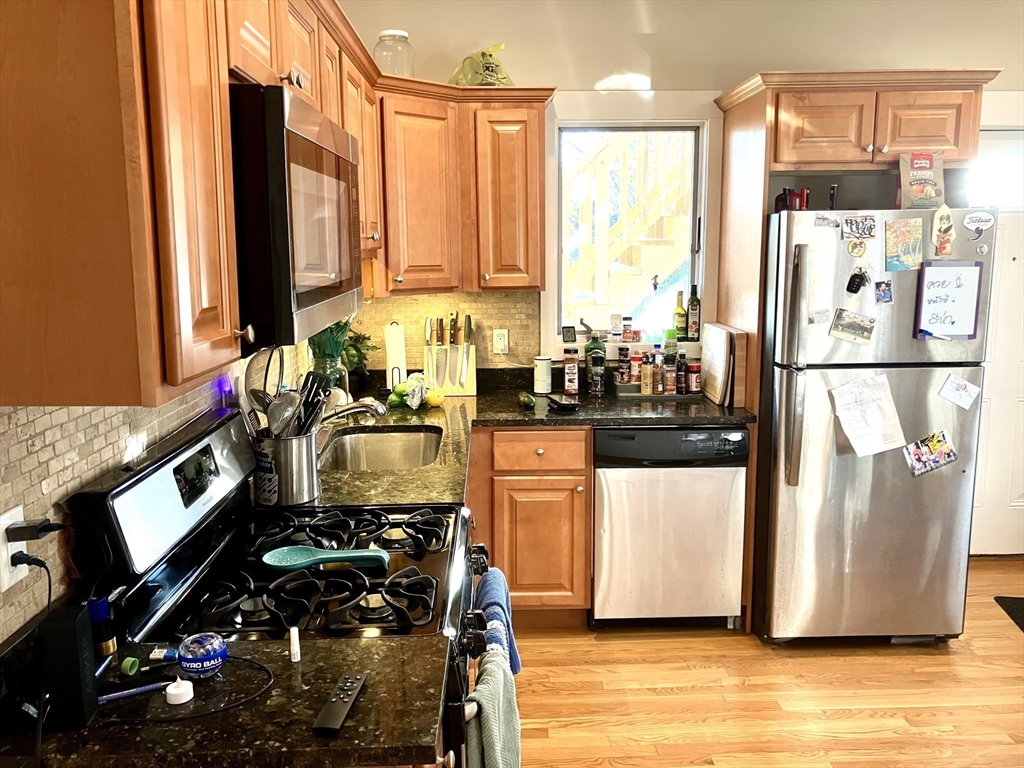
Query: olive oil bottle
(693,316)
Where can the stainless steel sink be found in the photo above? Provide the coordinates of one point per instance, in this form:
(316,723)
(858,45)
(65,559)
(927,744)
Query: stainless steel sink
(392,447)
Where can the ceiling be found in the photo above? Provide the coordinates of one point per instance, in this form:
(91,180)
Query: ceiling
(701,44)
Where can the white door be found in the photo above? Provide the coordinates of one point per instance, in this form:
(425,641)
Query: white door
(999,494)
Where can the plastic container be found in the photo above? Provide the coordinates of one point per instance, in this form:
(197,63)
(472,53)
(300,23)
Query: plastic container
(571,363)
(542,375)
(393,53)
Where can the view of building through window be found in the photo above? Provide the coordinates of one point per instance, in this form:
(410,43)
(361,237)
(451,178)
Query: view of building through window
(627,222)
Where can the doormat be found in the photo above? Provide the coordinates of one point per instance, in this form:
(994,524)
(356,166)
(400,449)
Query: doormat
(1014,607)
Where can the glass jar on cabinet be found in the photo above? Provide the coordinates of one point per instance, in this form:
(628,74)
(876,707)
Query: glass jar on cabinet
(393,53)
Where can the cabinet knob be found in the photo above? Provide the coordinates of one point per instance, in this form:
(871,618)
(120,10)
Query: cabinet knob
(448,761)
(375,236)
(869,148)
(295,78)
(540,451)
(246,333)
(885,149)
(399,279)
(486,277)
(579,489)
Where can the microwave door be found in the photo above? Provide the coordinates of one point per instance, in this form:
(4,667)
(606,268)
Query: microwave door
(316,221)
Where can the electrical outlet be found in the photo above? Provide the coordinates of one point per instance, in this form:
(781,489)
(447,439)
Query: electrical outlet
(500,344)
(10,576)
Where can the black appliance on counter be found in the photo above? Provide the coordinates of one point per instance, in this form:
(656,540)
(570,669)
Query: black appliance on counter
(177,545)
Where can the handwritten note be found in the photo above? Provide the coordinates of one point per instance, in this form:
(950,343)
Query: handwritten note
(868,415)
(947,300)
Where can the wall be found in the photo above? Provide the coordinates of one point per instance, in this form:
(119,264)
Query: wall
(518,311)
(700,44)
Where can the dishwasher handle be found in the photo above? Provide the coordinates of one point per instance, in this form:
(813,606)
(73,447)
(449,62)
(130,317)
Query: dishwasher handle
(712,462)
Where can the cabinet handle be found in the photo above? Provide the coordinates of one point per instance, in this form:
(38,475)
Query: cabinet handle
(540,451)
(472,523)
(869,148)
(246,333)
(295,78)
(579,489)
(486,277)
(399,279)
(448,761)
(885,149)
(375,237)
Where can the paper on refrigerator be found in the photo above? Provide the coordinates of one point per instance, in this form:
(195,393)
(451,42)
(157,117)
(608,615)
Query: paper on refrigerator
(868,415)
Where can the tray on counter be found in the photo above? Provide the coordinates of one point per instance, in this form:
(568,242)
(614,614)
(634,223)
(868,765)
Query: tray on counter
(632,392)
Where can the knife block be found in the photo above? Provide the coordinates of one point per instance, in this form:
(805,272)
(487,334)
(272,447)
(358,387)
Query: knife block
(452,388)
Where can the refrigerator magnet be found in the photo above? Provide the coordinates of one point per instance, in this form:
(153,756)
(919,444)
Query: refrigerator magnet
(859,227)
(857,248)
(943,233)
(853,327)
(826,220)
(883,292)
(819,316)
(930,453)
(903,244)
(959,391)
(976,222)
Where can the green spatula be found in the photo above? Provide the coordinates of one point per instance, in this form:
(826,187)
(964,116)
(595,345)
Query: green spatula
(297,557)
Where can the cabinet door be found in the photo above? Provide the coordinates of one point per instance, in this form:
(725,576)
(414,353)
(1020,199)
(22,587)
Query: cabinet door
(253,39)
(825,127)
(352,121)
(186,58)
(330,75)
(542,540)
(300,52)
(927,121)
(509,173)
(370,162)
(422,203)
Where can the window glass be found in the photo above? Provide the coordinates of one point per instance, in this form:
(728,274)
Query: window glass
(997,175)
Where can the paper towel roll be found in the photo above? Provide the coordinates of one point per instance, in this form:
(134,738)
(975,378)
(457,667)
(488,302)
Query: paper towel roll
(394,353)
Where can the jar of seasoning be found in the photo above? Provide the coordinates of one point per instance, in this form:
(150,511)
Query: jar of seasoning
(646,376)
(596,374)
(571,363)
(623,377)
(635,363)
(542,375)
(670,374)
(627,328)
(693,378)
(657,371)
(681,374)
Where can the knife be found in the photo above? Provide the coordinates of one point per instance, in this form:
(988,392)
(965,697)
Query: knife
(453,348)
(467,339)
(428,354)
(440,366)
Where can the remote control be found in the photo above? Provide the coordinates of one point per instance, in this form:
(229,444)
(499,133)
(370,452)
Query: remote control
(329,721)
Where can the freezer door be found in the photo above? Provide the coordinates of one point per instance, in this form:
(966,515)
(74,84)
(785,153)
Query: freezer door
(668,543)
(858,546)
(815,265)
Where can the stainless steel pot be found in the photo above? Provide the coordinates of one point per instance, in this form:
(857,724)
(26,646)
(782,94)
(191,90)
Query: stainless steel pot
(286,472)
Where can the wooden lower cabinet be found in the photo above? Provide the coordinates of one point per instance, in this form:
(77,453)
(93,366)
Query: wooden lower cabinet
(541,539)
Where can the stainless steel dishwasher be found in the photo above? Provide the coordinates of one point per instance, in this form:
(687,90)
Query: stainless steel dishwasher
(669,511)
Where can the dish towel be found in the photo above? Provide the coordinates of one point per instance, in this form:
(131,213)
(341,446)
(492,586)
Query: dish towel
(492,592)
(492,737)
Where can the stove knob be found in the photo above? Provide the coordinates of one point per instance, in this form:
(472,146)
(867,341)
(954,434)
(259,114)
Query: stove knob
(475,620)
(478,559)
(473,643)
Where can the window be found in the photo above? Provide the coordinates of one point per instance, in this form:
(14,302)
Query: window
(996,177)
(628,223)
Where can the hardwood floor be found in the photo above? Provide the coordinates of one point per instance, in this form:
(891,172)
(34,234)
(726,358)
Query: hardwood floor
(645,698)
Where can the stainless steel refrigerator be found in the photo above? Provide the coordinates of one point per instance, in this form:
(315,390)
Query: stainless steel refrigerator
(861,546)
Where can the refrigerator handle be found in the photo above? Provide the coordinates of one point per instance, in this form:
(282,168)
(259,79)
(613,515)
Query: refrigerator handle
(795,406)
(797,305)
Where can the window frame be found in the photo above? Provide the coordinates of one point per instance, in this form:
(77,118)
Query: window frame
(551,343)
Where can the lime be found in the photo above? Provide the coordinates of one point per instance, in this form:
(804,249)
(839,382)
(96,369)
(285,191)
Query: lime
(526,400)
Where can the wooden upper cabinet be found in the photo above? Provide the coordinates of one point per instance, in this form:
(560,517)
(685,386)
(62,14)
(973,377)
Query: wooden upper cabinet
(825,127)
(187,65)
(300,52)
(422,201)
(927,121)
(541,540)
(330,75)
(352,121)
(509,171)
(372,199)
(253,35)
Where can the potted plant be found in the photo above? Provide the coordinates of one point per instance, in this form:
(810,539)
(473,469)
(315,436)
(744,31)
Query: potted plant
(337,347)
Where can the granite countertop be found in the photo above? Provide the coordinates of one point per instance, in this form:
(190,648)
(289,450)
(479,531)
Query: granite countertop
(394,721)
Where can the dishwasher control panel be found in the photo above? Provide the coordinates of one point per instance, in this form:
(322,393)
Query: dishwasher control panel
(670,446)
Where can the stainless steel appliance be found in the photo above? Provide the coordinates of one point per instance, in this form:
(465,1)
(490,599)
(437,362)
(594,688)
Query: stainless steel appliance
(859,546)
(669,510)
(177,544)
(296,215)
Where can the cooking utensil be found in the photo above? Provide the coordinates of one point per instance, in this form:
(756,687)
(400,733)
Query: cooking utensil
(441,364)
(453,348)
(280,371)
(250,417)
(467,339)
(428,354)
(260,400)
(311,415)
(297,557)
(255,369)
(282,412)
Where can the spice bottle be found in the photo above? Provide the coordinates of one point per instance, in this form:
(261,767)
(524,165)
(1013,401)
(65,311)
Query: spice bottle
(646,376)
(596,374)
(627,328)
(670,374)
(571,363)
(623,377)
(635,364)
(658,372)
(693,378)
(681,372)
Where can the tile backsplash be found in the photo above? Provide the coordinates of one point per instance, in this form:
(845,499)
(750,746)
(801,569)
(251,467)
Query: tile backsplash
(518,311)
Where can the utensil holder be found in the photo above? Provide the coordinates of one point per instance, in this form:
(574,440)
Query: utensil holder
(286,473)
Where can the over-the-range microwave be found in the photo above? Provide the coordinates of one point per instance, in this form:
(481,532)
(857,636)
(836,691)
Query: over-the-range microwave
(296,216)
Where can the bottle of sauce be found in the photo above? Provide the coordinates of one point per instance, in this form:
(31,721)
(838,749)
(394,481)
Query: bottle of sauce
(594,345)
(681,374)
(670,373)
(646,376)
(693,316)
(635,364)
(597,374)
(571,363)
(658,372)
(833,197)
(693,378)
(782,200)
